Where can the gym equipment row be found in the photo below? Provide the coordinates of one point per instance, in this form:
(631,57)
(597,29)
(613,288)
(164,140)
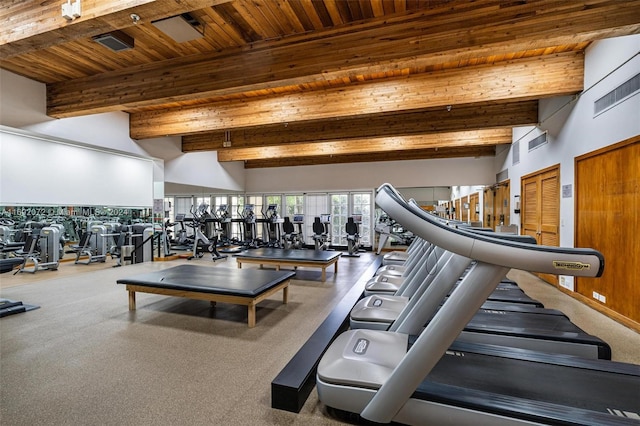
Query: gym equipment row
(417,371)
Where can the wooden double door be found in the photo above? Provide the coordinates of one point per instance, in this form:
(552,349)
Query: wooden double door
(540,209)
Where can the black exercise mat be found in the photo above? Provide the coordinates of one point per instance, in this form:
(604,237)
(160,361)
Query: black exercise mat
(11,307)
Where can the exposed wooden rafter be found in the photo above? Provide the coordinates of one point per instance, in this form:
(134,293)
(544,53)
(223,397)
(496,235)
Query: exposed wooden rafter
(365,145)
(526,79)
(421,154)
(442,119)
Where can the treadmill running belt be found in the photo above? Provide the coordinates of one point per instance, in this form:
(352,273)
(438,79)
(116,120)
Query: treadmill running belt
(529,385)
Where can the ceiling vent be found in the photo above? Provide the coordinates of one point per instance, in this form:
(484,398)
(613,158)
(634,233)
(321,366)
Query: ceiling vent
(181,28)
(115,40)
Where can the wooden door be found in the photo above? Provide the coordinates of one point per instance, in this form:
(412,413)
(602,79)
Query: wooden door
(464,213)
(540,209)
(607,197)
(474,208)
(488,209)
(501,204)
(456,205)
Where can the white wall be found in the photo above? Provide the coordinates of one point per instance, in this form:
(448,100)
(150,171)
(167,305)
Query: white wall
(23,107)
(337,177)
(51,172)
(572,128)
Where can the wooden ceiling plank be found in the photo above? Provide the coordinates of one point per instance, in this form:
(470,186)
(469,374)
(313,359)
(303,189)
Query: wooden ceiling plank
(460,117)
(226,32)
(334,12)
(410,43)
(377,8)
(555,76)
(252,14)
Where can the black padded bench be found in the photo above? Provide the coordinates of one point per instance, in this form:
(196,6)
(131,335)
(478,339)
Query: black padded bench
(242,287)
(281,257)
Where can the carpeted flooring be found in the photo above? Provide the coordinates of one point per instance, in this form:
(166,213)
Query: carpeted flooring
(84,359)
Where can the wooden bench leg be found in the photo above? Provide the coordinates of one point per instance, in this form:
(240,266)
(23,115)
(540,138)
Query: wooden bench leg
(251,313)
(285,294)
(132,300)
(324,274)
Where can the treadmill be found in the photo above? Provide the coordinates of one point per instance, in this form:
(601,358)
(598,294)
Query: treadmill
(384,376)
(437,275)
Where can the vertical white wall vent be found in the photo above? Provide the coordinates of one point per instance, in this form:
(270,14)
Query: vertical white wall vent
(515,153)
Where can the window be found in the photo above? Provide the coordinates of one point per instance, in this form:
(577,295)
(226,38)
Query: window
(339,214)
(361,206)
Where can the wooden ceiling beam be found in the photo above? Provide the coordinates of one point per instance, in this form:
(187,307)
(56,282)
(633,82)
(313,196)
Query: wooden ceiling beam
(442,119)
(410,40)
(524,79)
(418,154)
(29,25)
(370,145)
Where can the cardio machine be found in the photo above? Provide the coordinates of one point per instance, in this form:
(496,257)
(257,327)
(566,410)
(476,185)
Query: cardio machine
(386,376)
(42,250)
(353,235)
(322,232)
(248,226)
(201,243)
(292,232)
(273,223)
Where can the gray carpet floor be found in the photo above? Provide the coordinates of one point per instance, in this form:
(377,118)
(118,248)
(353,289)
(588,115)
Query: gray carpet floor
(84,359)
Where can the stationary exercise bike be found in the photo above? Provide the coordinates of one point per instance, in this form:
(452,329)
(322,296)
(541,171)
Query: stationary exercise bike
(201,243)
(353,235)
(291,238)
(322,232)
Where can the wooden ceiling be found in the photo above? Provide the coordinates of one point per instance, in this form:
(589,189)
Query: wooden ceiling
(295,82)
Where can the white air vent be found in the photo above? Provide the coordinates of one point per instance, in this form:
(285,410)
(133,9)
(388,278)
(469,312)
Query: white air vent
(515,153)
(181,28)
(621,92)
(115,40)
(537,142)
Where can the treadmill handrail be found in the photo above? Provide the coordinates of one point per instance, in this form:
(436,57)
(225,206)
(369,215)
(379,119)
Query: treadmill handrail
(535,258)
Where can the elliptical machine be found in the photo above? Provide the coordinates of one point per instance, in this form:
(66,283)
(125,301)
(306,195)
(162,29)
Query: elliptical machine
(201,242)
(249,227)
(273,223)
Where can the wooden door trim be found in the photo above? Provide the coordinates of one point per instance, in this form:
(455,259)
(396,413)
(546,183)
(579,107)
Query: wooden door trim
(538,172)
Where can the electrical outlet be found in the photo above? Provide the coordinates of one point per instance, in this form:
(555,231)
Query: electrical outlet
(602,299)
(596,295)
